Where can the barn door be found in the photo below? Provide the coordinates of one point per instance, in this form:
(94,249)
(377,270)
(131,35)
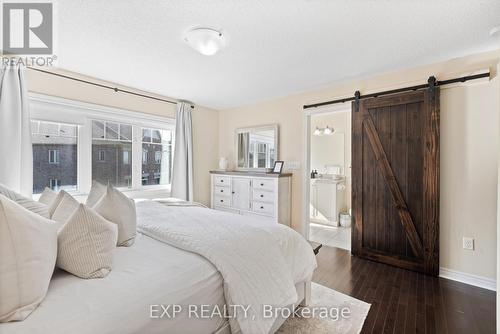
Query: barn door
(395,179)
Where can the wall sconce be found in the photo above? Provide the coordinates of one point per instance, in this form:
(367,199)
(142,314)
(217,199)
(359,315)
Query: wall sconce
(323,131)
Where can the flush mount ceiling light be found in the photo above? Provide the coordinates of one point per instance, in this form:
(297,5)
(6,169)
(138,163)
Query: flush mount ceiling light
(205,40)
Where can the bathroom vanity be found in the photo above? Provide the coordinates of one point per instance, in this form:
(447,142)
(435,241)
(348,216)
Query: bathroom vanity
(327,200)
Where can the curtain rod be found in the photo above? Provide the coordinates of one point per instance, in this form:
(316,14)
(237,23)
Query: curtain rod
(358,96)
(116,89)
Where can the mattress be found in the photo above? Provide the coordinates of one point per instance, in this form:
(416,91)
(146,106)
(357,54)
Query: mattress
(148,273)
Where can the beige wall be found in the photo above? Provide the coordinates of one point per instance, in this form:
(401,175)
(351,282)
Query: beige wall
(205,120)
(469,142)
(330,150)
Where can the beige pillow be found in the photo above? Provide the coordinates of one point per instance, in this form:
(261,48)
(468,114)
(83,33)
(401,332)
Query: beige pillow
(86,244)
(65,208)
(119,209)
(96,192)
(28,248)
(33,206)
(48,196)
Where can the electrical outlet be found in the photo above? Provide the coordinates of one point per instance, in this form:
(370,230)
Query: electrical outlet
(468,243)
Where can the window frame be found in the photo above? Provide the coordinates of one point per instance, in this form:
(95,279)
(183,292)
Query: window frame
(61,110)
(57,157)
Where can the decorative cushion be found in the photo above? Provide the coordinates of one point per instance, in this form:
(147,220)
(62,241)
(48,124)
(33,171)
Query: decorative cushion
(66,207)
(48,196)
(28,248)
(119,209)
(86,244)
(33,206)
(53,205)
(96,192)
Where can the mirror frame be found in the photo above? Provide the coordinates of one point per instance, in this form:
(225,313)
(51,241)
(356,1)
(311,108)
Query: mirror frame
(274,127)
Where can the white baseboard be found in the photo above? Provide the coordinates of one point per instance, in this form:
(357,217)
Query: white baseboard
(479,281)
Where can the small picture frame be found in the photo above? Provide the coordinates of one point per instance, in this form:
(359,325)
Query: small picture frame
(278,167)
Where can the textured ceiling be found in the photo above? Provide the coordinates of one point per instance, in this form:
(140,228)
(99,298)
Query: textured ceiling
(275,48)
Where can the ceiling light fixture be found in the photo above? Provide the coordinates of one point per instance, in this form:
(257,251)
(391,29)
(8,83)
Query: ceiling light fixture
(205,40)
(318,132)
(328,131)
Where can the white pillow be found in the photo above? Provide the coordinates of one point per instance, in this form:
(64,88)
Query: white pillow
(96,192)
(48,196)
(86,244)
(53,205)
(119,209)
(28,248)
(65,208)
(33,206)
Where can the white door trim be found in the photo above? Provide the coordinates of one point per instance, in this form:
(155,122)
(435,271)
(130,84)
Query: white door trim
(306,176)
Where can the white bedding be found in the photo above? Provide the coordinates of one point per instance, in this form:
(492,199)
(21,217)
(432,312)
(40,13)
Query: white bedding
(260,262)
(152,272)
(149,272)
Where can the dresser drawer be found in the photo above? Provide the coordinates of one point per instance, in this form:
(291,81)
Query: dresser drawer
(263,184)
(263,208)
(222,201)
(222,181)
(263,196)
(222,191)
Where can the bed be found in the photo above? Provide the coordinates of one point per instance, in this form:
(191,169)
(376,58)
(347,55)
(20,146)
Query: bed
(158,271)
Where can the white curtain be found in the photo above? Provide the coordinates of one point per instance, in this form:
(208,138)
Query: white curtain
(182,169)
(16,162)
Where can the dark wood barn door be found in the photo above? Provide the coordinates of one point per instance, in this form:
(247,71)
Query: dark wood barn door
(395,179)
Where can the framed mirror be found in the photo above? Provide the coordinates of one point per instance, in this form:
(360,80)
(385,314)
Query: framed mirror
(257,147)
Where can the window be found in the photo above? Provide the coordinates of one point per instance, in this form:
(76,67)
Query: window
(75,143)
(126,157)
(158,144)
(158,157)
(55,154)
(110,141)
(54,184)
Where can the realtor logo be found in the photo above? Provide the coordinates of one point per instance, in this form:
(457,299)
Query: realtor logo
(27,28)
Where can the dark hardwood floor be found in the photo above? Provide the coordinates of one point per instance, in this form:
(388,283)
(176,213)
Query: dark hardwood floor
(404,301)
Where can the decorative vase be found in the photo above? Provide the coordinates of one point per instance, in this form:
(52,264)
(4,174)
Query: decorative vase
(222,163)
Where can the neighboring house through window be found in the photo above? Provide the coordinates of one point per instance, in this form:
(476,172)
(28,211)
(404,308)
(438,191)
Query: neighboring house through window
(70,156)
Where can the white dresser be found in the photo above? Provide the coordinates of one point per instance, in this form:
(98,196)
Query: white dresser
(267,196)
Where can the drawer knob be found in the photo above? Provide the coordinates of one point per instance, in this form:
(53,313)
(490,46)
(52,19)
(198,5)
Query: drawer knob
(222,191)
(262,207)
(233,192)
(222,181)
(262,184)
(222,201)
(261,195)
